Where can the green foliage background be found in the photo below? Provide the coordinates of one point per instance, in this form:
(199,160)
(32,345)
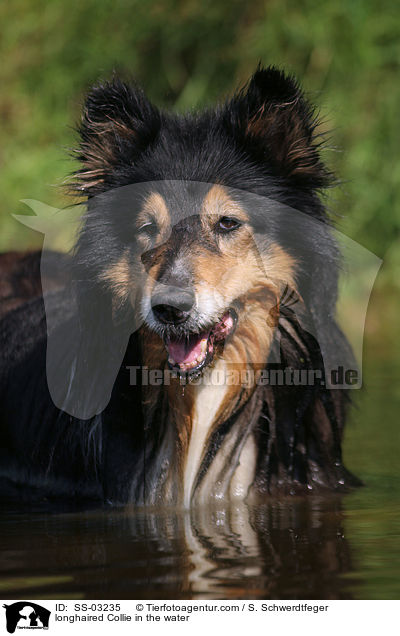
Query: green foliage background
(188,53)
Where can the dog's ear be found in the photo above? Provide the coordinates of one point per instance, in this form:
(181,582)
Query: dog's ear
(277,124)
(118,123)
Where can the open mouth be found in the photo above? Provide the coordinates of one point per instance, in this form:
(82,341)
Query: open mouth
(190,354)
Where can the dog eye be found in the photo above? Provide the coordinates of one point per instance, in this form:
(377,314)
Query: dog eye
(227,224)
(149,228)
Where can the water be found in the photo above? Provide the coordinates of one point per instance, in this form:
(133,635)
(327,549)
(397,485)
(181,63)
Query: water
(344,547)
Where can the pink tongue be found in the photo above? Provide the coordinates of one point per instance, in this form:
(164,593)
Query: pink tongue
(186,351)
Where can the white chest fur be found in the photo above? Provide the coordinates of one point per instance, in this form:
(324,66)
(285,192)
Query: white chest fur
(208,400)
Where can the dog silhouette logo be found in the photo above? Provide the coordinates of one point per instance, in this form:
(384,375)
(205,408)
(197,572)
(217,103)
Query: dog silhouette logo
(26,615)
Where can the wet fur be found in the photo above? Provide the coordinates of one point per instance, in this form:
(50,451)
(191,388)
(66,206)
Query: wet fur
(264,140)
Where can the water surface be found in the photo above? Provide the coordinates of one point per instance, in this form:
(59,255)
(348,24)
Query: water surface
(345,547)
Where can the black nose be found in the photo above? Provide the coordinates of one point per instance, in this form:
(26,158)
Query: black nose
(172,306)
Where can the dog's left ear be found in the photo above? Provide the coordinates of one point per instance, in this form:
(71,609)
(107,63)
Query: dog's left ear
(275,123)
(118,124)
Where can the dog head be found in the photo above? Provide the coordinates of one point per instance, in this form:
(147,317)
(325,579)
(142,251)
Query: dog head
(210,287)
(176,233)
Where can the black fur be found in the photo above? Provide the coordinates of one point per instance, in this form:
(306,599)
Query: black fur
(262,141)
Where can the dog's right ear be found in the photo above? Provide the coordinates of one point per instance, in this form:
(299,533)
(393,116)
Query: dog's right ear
(274,122)
(118,123)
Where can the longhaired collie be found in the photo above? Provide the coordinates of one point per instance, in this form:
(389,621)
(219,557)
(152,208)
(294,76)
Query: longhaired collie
(182,353)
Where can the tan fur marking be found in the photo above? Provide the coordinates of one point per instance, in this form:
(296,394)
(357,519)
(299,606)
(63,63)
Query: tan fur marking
(280,266)
(218,203)
(155,210)
(118,276)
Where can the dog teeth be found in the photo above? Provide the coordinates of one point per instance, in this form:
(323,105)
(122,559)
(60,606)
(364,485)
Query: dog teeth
(186,366)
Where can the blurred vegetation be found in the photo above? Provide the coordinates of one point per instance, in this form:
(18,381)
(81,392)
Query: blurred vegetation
(188,53)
